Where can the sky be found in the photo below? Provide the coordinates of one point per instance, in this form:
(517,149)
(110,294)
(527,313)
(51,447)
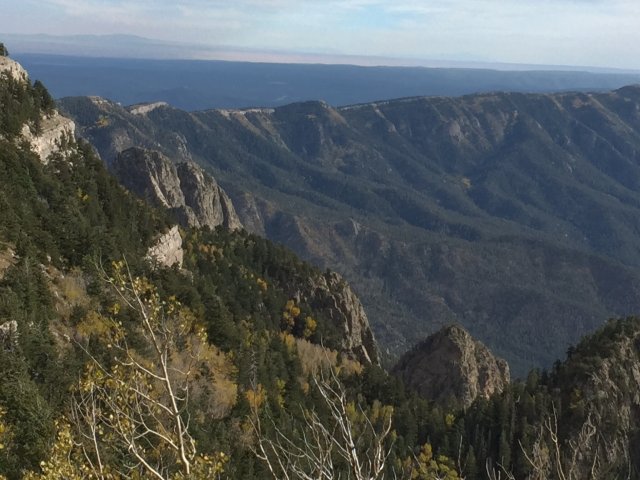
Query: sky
(601,33)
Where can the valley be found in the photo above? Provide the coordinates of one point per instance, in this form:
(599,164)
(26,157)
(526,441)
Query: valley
(515,215)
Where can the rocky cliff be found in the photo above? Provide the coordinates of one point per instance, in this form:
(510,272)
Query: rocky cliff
(599,407)
(48,132)
(12,68)
(56,131)
(451,366)
(331,294)
(167,250)
(193,195)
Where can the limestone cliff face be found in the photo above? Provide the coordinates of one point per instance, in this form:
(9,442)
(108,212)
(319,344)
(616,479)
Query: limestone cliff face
(167,251)
(451,365)
(332,295)
(193,195)
(13,68)
(56,132)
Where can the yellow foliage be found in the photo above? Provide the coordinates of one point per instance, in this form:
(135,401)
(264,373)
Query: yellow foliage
(424,467)
(64,461)
(262,284)
(139,387)
(449,419)
(310,326)
(100,327)
(5,434)
(314,357)
(287,321)
(289,341)
(281,385)
(82,195)
(291,308)
(256,397)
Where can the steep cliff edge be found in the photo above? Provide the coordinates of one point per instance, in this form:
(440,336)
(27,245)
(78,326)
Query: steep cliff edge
(43,128)
(55,132)
(13,68)
(185,189)
(598,407)
(450,367)
(331,294)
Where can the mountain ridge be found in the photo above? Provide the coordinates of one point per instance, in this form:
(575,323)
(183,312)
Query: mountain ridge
(436,209)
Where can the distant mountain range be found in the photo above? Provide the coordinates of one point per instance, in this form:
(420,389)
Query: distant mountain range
(197,84)
(135,46)
(516,215)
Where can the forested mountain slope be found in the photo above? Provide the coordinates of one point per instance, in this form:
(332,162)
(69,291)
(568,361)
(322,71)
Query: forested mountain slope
(516,215)
(243,322)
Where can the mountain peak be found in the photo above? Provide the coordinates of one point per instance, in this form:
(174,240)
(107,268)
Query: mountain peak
(451,365)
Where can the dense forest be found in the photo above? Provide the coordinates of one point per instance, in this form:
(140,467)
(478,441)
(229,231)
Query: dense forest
(112,367)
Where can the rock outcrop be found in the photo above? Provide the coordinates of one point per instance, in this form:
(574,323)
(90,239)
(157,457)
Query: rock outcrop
(331,294)
(167,250)
(452,366)
(13,68)
(600,382)
(144,108)
(55,134)
(193,195)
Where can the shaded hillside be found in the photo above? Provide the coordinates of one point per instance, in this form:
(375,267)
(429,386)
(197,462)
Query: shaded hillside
(515,215)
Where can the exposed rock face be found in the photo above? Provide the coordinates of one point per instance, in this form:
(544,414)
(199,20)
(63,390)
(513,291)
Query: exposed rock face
(145,108)
(13,68)
(56,131)
(193,195)
(331,294)
(167,251)
(603,397)
(451,365)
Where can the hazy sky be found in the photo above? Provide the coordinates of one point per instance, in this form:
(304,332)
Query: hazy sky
(559,32)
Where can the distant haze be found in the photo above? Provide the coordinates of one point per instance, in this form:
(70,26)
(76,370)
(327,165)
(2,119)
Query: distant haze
(199,85)
(598,33)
